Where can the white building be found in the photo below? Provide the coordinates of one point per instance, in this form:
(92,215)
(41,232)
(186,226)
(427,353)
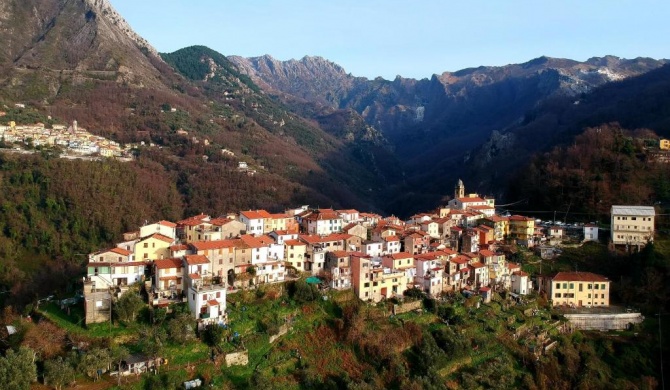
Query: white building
(521,283)
(590,232)
(166,228)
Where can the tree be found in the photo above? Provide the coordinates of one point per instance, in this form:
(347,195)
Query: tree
(119,353)
(128,306)
(181,329)
(153,342)
(95,361)
(17,369)
(58,373)
(212,335)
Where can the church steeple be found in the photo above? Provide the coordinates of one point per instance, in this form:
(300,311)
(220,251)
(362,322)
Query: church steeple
(459,190)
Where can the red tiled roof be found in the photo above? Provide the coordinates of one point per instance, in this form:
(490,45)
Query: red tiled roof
(196,259)
(579,277)
(209,245)
(486,253)
(294,242)
(179,247)
(168,263)
(220,221)
(471,200)
(519,273)
(160,237)
(340,253)
(119,251)
(477,265)
(194,276)
(252,241)
(168,224)
(513,266)
(460,260)
(258,214)
(213,302)
(520,218)
(193,220)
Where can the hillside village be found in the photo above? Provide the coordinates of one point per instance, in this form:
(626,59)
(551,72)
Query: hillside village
(72,139)
(461,247)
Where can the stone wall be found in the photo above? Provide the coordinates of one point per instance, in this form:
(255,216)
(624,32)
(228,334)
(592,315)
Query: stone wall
(282,331)
(237,358)
(408,306)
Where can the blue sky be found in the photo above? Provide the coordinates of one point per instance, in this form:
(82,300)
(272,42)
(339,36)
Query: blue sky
(403,37)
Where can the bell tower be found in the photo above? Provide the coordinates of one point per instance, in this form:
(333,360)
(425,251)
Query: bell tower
(459,190)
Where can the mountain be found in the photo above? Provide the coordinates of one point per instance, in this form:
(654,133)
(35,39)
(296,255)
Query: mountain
(80,60)
(439,124)
(47,44)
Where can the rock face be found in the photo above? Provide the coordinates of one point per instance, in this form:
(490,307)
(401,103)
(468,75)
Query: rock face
(437,124)
(71,36)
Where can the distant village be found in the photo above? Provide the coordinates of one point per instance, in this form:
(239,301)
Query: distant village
(462,247)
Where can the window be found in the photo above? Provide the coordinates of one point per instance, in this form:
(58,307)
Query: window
(366,293)
(596,286)
(146,244)
(602,286)
(572,286)
(558,286)
(602,296)
(589,295)
(590,286)
(218,294)
(220,261)
(146,255)
(366,284)
(580,287)
(565,286)
(558,295)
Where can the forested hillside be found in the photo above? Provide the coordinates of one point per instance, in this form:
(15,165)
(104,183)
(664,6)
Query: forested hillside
(605,165)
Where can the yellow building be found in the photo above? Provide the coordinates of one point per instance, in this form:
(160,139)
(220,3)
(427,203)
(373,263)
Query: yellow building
(664,144)
(522,229)
(632,225)
(580,289)
(499,224)
(374,282)
(153,247)
(295,254)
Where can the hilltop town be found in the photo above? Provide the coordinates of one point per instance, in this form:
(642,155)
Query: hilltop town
(462,247)
(71,139)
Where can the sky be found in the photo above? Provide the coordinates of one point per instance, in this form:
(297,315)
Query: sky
(410,38)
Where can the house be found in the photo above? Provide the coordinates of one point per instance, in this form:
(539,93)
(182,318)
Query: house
(223,228)
(374,282)
(555,232)
(578,289)
(97,303)
(138,364)
(479,276)
(521,283)
(165,228)
(296,250)
(323,222)
(255,221)
(155,246)
(416,242)
(500,226)
(431,227)
(402,261)
(522,230)
(349,216)
(114,269)
(632,225)
(470,241)
(188,229)
(168,280)
(590,232)
(372,248)
(390,245)
(356,229)
(429,276)
(338,264)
